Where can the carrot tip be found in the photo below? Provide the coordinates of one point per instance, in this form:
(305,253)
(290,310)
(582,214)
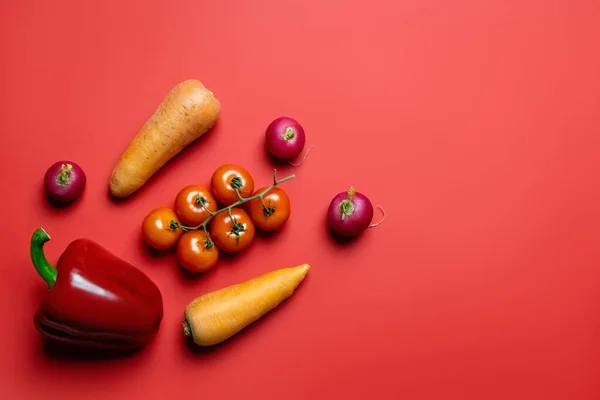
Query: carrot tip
(303,269)
(301,272)
(305,266)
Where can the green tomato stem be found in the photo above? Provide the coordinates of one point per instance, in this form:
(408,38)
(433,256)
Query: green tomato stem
(242,200)
(239,194)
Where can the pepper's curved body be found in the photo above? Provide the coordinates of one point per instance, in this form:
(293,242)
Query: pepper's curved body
(95,299)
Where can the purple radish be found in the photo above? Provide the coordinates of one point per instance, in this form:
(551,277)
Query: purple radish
(350,213)
(64,181)
(285,138)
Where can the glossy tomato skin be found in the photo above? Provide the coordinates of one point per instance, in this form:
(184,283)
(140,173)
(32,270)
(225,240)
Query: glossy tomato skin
(228,238)
(196,252)
(224,180)
(156,228)
(277,210)
(188,204)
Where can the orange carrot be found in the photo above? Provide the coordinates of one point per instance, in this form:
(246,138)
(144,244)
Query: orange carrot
(217,316)
(187,112)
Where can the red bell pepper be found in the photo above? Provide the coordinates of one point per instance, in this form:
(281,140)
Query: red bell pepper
(95,299)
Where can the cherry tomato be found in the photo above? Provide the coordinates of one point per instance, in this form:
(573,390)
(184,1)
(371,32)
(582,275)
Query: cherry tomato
(233,232)
(191,204)
(273,213)
(158,230)
(229,177)
(196,252)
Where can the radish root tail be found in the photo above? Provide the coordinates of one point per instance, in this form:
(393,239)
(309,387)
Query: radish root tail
(382,217)
(303,158)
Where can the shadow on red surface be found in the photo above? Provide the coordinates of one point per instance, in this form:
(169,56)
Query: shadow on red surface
(64,352)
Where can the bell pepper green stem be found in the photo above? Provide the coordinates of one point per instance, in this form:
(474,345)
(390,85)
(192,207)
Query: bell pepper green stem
(41,264)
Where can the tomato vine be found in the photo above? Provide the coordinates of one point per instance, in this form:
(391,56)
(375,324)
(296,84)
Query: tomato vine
(235,183)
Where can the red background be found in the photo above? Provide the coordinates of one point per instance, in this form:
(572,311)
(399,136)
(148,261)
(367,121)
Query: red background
(474,123)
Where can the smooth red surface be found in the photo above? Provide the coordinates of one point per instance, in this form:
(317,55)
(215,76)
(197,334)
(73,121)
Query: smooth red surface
(474,123)
(100,299)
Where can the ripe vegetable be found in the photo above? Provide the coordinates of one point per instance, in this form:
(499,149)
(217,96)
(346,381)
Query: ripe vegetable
(94,299)
(232,231)
(271,211)
(231,181)
(350,213)
(159,228)
(187,112)
(216,316)
(196,252)
(64,181)
(285,138)
(193,204)
(231,227)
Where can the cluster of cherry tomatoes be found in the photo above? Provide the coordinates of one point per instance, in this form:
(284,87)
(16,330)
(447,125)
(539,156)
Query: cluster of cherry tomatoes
(200,229)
